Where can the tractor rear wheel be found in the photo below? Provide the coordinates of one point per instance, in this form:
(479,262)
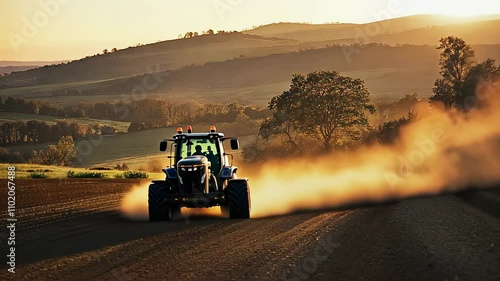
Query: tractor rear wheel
(238,198)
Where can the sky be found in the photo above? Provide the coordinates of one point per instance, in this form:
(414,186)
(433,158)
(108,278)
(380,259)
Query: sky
(70,29)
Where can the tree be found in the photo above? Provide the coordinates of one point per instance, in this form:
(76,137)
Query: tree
(460,74)
(195,34)
(323,105)
(105,51)
(483,73)
(210,32)
(59,154)
(455,60)
(188,34)
(114,50)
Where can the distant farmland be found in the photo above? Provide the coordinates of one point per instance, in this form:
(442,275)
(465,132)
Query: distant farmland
(136,149)
(12,116)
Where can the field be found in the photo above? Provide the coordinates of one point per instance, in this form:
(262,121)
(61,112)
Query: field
(82,230)
(12,116)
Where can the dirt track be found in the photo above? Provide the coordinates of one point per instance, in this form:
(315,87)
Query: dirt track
(66,232)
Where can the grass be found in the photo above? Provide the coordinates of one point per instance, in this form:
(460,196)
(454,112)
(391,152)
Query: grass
(12,116)
(55,172)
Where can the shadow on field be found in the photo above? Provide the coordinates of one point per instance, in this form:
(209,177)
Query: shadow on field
(93,232)
(486,200)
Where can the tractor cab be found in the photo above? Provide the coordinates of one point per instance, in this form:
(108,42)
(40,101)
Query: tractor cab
(194,146)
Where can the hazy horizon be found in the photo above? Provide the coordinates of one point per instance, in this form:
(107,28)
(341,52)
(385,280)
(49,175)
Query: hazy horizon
(53,30)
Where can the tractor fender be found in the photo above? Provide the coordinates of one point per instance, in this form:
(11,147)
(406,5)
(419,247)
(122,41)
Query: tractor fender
(228,172)
(171,173)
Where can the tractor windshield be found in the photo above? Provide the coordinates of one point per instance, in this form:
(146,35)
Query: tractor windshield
(200,146)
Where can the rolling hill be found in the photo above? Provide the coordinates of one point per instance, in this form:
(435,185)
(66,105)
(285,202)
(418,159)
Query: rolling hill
(394,28)
(153,57)
(257,64)
(388,72)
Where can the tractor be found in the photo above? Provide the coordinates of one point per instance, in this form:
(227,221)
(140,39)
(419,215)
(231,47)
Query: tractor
(201,175)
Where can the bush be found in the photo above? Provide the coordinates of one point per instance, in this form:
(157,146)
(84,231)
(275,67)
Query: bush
(85,175)
(118,176)
(37,175)
(135,175)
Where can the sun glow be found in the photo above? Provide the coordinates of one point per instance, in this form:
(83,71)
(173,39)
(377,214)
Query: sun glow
(456,8)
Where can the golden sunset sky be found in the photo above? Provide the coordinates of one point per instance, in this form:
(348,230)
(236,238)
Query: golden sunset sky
(71,29)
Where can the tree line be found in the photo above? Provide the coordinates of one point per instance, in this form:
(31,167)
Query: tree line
(191,34)
(34,131)
(143,114)
(62,153)
(153,113)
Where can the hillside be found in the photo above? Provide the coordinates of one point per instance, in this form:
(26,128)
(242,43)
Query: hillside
(388,72)
(419,30)
(297,31)
(153,57)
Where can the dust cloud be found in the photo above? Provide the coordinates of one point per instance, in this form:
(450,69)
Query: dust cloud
(134,204)
(439,152)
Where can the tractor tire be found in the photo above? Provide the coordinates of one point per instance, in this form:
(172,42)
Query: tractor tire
(238,199)
(158,211)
